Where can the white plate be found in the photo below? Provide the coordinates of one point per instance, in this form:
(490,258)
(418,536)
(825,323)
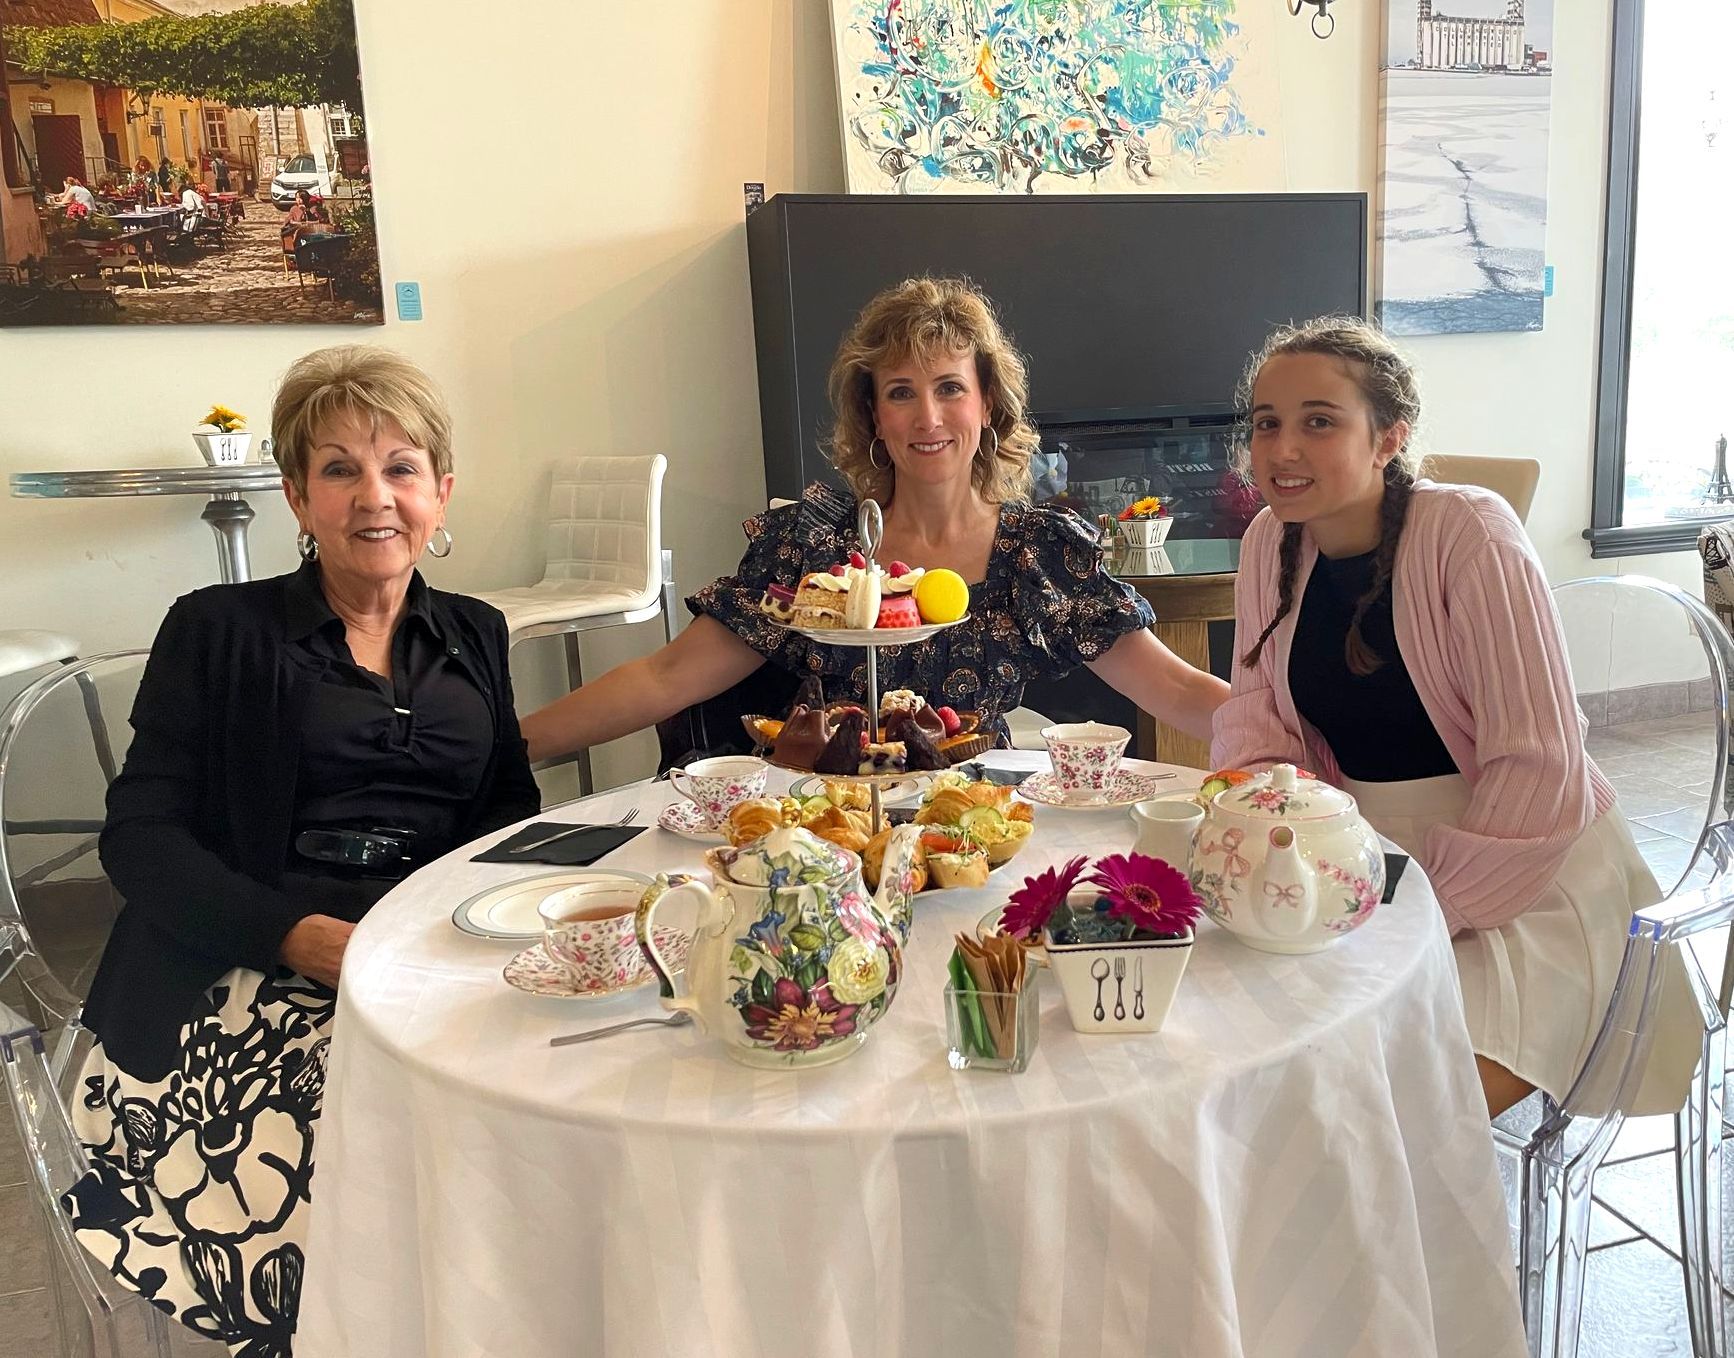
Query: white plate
(873,636)
(535,973)
(1128,786)
(684,818)
(988,927)
(508,911)
(900,789)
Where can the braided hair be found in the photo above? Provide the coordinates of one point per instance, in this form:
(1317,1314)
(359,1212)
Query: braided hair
(1387,381)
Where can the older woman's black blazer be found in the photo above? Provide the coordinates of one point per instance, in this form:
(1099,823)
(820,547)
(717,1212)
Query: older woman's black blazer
(199,820)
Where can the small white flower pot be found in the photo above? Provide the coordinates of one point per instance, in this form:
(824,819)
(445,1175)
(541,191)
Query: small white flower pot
(1146,534)
(224,450)
(1120,987)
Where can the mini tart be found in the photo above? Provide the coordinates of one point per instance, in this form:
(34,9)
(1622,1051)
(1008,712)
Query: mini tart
(898,611)
(958,869)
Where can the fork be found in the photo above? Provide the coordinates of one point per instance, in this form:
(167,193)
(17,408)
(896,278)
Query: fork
(1120,987)
(679,1019)
(627,819)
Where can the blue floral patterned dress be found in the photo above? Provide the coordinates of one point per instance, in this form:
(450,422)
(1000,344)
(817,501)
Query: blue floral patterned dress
(1046,607)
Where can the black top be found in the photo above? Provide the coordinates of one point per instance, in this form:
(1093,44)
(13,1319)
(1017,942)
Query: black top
(406,752)
(1046,607)
(1374,723)
(200,819)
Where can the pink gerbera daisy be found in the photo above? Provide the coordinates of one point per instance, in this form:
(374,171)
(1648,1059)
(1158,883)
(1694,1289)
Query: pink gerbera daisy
(1038,898)
(1147,892)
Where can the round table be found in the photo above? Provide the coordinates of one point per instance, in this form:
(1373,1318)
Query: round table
(1299,1164)
(228,512)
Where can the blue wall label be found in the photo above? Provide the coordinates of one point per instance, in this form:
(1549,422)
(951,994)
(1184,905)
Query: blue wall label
(409,301)
(1547,281)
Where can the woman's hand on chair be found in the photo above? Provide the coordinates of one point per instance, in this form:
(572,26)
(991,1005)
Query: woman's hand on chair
(315,947)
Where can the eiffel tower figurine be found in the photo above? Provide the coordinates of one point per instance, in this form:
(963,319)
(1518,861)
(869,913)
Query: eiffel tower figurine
(1719,491)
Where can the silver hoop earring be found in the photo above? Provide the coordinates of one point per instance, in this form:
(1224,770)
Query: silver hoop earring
(446,533)
(307,545)
(874,462)
(989,429)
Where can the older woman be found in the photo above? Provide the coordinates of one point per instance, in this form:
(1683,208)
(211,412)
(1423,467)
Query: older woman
(301,744)
(929,398)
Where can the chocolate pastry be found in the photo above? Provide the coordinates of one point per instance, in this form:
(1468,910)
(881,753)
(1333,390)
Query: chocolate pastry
(842,754)
(807,729)
(919,750)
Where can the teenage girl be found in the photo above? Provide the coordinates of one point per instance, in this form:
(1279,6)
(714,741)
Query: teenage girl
(1398,637)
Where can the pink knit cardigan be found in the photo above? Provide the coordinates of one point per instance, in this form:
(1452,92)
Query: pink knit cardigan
(1478,630)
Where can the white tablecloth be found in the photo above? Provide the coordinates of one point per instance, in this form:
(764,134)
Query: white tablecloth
(1299,1164)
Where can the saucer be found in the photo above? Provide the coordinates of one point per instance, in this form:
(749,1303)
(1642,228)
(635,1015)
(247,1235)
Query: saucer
(1127,786)
(684,818)
(988,926)
(508,911)
(535,973)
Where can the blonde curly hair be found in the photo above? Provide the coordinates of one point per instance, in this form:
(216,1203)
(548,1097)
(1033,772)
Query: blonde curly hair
(922,317)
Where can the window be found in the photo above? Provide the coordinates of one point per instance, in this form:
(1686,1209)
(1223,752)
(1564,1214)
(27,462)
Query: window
(1667,344)
(186,139)
(160,135)
(216,129)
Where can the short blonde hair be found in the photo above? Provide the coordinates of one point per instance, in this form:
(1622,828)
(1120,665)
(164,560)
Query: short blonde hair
(363,379)
(921,318)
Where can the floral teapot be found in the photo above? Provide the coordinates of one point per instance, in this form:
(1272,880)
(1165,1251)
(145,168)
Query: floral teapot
(792,961)
(1287,864)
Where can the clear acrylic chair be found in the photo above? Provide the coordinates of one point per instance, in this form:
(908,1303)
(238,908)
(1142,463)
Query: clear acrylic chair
(1559,1158)
(60,740)
(606,565)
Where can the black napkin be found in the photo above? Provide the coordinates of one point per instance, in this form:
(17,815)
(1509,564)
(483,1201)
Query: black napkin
(579,849)
(1394,865)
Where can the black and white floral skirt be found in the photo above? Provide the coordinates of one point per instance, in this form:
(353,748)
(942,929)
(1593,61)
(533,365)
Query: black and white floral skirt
(199,1188)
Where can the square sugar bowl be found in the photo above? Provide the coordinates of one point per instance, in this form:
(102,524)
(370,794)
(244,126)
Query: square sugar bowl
(990,1030)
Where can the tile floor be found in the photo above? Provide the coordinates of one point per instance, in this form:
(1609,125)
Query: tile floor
(1635,1302)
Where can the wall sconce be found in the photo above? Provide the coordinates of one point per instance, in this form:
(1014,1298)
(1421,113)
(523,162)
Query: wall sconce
(1324,22)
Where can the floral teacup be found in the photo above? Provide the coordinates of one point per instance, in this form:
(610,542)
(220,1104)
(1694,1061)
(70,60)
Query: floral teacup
(588,929)
(1086,755)
(717,786)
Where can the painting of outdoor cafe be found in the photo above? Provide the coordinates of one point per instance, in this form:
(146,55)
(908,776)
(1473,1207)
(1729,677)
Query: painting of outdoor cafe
(184,162)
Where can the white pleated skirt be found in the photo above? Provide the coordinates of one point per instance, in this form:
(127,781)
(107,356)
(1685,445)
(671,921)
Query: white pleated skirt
(1535,990)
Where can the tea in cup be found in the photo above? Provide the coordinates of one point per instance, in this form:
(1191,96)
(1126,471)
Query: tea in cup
(588,929)
(717,786)
(1166,826)
(1086,756)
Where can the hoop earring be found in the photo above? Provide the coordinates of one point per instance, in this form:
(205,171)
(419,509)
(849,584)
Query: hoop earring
(446,533)
(307,545)
(873,462)
(989,429)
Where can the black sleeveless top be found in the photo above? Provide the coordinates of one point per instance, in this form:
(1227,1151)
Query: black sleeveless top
(1374,723)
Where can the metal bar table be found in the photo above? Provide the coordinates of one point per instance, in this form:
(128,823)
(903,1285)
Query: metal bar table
(227,512)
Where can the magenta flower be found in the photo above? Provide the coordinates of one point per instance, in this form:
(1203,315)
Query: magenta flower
(1033,903)
(1147,892)
(798,1020)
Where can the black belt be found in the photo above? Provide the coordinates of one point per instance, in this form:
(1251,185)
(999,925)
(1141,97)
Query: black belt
(367,849)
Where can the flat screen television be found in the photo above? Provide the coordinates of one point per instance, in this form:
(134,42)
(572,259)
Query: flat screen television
(1128,307)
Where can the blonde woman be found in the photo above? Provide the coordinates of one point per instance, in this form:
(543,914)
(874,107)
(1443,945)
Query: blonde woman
(928,396)
(300,745)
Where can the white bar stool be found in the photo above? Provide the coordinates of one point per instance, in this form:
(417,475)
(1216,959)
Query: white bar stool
(606,565)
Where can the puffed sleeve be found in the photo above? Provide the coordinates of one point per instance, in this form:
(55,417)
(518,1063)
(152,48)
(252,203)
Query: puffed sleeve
(783,544)
(1066,604)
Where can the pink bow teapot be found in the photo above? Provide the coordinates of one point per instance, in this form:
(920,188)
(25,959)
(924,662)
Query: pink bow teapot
(1287,864)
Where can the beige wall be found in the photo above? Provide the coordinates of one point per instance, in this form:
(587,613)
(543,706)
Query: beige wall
(596,299)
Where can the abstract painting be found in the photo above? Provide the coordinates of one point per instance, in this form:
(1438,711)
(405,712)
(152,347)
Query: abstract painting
(1466,93)
(1057,96)
(184,162)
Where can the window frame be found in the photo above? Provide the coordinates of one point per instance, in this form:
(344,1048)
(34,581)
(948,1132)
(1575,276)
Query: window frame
(1607,536)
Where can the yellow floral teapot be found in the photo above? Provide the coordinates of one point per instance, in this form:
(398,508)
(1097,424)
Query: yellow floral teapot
(792,960)
(1287,864)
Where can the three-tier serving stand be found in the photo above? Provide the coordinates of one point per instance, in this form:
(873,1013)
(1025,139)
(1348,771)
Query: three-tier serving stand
(870,529)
